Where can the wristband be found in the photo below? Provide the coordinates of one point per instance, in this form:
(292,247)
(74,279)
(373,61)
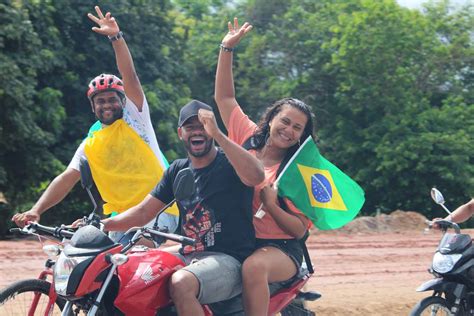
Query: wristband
(117,36)
(226,49)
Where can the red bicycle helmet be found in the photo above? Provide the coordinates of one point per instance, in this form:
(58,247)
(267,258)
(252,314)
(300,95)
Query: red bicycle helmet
(105,82)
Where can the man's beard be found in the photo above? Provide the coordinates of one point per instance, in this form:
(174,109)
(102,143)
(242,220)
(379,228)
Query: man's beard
(117,114)
(207,147)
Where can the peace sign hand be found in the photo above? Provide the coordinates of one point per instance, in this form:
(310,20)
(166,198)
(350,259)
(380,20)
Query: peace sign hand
(107,24)
(235,33)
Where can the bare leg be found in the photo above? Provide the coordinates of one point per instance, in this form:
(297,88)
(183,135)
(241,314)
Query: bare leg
(184,288)
(264,266)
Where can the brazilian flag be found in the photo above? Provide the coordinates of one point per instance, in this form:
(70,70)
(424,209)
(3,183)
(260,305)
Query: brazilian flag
(326,195)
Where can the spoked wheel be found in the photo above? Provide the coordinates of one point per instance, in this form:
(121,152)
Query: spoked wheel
(432,306)
(20,298)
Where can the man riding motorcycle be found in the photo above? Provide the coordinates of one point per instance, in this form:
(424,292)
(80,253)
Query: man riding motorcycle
(218,215)
(123,154)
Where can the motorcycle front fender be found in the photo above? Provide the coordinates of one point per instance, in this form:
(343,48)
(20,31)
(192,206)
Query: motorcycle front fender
(438,284)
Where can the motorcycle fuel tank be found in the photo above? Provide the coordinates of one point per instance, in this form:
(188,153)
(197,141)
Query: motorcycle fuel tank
(144,281)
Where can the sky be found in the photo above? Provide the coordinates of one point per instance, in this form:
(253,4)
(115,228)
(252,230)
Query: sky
(415,4)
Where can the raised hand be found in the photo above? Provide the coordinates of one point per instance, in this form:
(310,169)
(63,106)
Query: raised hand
(107,24)
(235,33)
(208,120)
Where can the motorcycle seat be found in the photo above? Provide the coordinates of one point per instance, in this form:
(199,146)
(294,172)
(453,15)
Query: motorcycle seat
(234,305)
(303,271)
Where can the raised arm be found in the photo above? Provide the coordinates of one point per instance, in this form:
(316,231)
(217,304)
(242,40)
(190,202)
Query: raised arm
(108,26)
(248,167)
(224,93)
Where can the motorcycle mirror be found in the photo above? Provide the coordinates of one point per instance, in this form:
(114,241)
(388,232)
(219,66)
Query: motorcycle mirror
(183,185)
(87,182)
(437,196)
(86,175)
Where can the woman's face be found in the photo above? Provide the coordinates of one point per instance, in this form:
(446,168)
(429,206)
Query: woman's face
(287,127)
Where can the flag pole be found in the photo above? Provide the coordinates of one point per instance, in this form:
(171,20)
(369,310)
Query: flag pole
(292,158)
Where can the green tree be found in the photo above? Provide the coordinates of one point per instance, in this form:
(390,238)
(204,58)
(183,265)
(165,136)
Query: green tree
(383,94)
(371,70)
(32,117)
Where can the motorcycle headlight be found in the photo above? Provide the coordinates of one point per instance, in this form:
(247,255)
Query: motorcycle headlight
(445,263)
(63,269)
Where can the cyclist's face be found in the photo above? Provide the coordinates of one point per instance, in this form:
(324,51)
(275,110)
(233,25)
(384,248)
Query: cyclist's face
(195,139)
(108,107)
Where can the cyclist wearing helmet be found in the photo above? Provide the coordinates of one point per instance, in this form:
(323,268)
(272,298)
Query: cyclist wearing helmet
(123,152)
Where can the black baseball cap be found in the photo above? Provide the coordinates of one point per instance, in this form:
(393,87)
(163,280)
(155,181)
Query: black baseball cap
(191,109)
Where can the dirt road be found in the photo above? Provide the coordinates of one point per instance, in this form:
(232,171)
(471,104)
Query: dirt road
(370,274)
(357,274)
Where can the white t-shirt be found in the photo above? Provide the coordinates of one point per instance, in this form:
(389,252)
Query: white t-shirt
(139,121)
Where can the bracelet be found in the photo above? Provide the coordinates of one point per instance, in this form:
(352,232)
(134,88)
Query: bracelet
(117,36)
(226,49)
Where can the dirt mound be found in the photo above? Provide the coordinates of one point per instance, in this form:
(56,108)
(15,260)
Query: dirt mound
(397,221)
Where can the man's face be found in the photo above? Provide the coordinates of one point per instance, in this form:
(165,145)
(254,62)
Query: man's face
(195,139)
(108,107)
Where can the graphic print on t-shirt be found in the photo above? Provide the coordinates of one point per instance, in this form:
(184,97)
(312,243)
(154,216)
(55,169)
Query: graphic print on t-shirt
(199,223)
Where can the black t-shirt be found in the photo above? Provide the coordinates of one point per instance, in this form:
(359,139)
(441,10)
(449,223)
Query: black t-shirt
(219,214)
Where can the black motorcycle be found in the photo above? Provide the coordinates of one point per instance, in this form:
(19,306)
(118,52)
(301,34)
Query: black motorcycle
(452,267)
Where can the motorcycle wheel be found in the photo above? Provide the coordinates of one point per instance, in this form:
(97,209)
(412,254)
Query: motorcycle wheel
(296,308)
(433,305)
(16,299)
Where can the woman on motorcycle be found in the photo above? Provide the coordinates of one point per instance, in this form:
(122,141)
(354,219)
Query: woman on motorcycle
(284,125)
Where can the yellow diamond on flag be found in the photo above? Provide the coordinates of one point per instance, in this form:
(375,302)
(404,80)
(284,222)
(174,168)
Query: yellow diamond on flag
(322,192)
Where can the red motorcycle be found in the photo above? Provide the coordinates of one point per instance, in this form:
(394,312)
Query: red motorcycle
(95,276)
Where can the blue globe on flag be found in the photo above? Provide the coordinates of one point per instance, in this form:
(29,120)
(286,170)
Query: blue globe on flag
(321,188)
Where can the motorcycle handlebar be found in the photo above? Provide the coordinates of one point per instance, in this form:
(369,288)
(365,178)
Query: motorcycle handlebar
(16,230)
(445,224)
(174,237)
(58,232)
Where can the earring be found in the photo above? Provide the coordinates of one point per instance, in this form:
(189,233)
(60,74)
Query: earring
(299,142)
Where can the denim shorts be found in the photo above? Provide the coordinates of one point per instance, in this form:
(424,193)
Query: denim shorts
(219,275)
(291,247)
